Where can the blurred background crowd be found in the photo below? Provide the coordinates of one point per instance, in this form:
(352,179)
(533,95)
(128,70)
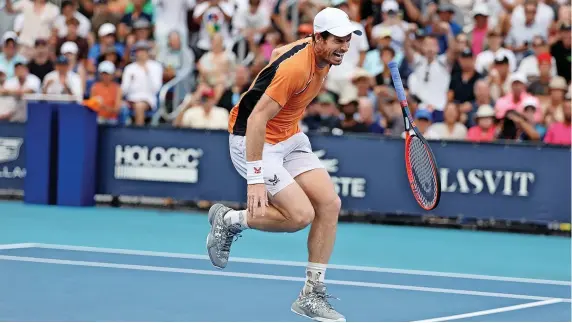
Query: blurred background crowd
(475,70)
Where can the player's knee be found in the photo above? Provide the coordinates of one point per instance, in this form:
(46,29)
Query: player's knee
(336,206)
(302,218)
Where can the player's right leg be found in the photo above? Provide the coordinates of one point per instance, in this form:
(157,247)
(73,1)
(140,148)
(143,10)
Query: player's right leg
(290,209)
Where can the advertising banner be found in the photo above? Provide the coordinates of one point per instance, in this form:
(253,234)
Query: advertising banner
(510,182)
(12,155)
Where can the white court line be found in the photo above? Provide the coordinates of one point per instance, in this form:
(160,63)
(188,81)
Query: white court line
(495,310)
(303,264)
(17,246)
(268,277)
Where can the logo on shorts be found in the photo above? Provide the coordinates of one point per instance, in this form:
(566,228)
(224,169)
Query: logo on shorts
(257,170)
(157,164)
(274,180)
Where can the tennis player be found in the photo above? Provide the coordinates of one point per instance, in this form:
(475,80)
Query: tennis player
(288,187)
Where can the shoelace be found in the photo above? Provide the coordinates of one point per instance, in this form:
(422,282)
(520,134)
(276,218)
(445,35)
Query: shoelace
(231,236)
(320,294)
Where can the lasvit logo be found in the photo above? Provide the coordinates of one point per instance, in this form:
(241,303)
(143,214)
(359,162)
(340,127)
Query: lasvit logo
(345,186)
(159,164)
(9,152)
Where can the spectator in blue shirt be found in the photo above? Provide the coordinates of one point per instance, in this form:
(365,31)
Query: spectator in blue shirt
(107,40)
(9,55)
(446,13)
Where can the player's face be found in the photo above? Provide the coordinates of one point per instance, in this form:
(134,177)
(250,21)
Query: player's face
(332,49)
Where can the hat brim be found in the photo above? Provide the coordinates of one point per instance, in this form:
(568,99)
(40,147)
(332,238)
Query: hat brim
(343,31)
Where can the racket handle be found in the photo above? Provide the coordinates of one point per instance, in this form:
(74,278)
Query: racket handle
(394,69)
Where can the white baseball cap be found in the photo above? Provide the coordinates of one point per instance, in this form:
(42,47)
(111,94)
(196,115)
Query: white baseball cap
(106,67)
(106,29)
(336,22)
(69,47)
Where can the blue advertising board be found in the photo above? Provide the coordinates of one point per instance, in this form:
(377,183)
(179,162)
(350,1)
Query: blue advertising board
(12,155)
(511,182)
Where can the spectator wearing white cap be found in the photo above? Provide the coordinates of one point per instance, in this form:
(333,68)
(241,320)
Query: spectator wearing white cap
(70,51)
(340,76)
(486,59)
(72,35)
(107,40)
(20,84)
(9,55)
(68,11)
(63,80)
(108,93)
(485,129)
(515,99)
(38,21)
(478,34)
(392,22)
(141,82)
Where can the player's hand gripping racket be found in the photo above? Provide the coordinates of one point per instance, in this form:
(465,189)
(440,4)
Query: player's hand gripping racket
(420,164)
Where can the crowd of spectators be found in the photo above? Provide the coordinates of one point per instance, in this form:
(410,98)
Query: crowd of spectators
(476,70)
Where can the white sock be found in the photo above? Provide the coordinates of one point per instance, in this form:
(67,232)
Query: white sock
(236,217)
(314,273)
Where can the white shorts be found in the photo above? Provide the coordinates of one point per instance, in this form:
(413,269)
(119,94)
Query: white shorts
(282,162)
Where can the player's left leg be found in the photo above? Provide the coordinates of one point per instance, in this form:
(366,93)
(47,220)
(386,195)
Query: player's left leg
(315,181)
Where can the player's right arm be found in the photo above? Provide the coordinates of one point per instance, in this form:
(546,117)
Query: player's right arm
(265,110)
(286,82)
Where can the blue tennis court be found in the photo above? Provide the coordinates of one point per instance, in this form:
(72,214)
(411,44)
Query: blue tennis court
(68,264)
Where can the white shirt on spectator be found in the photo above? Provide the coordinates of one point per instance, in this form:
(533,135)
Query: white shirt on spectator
(213,19)
(10,104)
(440,131)
(141,85)
(172,15)
(83,29)
(520,33)
(196,118)
(351,59)
(35,26)
(72,81)
(544,16)
(486,58)
(243,18)
(438,74)
(529,67)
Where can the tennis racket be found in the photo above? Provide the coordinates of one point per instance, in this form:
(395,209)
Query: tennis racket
(420,164)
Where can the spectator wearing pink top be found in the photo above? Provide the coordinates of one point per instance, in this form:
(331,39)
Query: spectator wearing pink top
(559,133)
(485,129)
(516,97)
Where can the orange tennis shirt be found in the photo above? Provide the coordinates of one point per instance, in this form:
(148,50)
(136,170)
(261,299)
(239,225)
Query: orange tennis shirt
(293,80)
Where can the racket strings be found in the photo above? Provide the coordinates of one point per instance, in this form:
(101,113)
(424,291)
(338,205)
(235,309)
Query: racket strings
(424,182)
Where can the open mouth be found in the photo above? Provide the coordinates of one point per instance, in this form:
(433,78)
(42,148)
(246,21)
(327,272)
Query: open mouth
(338,55)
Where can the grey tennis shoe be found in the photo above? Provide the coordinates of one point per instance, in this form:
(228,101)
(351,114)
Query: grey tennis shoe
(315,306)
(221,236)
